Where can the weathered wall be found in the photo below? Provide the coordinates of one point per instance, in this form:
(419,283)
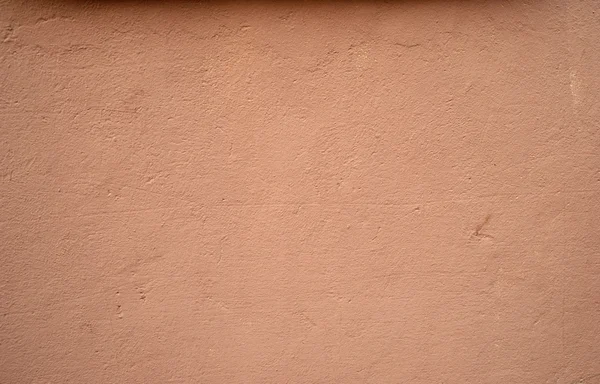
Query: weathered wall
(305,192)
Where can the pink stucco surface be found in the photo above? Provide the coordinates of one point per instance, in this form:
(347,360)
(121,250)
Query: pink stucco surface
(300,191)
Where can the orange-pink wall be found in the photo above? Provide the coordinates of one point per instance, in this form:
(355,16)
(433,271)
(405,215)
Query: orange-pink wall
(300,191)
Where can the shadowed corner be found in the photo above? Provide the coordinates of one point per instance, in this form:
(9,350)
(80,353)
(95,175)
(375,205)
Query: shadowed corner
(95,6)
(507,3)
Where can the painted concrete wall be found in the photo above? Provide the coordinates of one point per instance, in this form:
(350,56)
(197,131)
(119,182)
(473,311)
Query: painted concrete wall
(302,192)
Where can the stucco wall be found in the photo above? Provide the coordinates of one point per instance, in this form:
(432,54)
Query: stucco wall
(303,192)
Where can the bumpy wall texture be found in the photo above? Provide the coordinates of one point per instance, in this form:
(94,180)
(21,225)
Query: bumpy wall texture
(300,192)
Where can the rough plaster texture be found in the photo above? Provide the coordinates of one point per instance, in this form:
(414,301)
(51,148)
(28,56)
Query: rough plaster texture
(302,192)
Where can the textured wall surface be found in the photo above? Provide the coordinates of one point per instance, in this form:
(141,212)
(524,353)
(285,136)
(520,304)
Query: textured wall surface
(302,192)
